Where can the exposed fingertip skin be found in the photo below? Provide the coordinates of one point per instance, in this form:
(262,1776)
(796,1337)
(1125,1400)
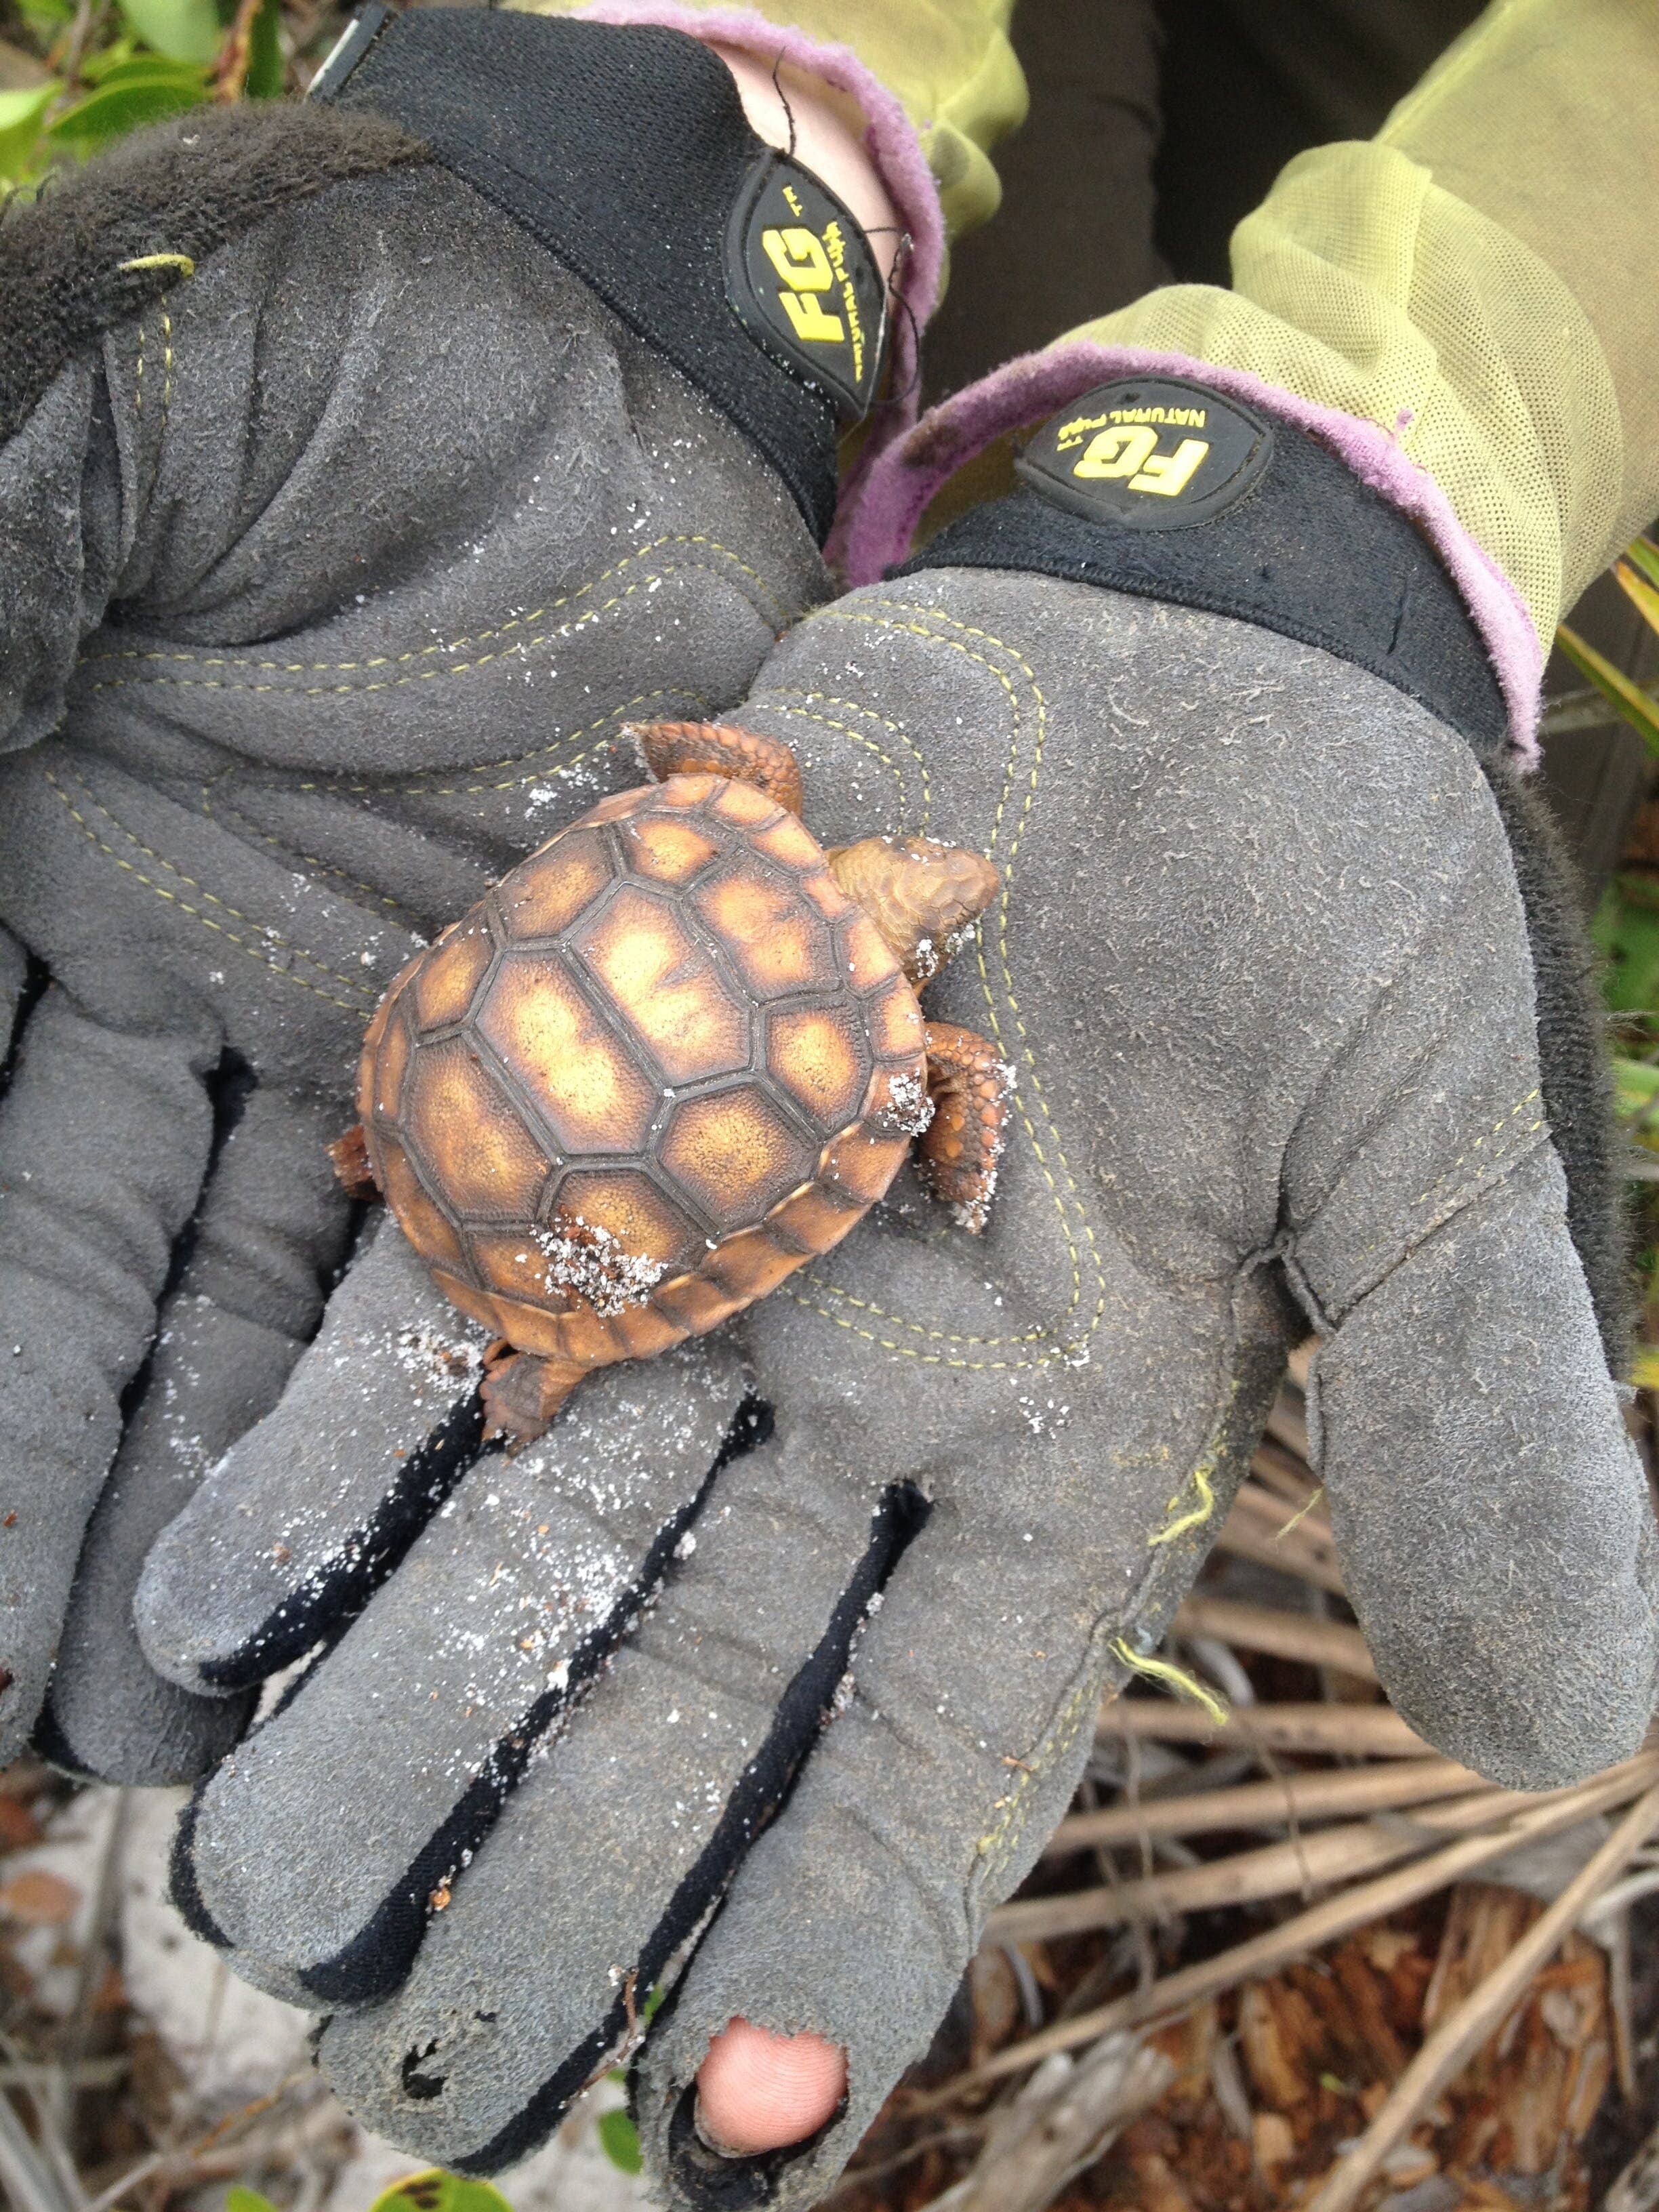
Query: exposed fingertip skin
(757,2091)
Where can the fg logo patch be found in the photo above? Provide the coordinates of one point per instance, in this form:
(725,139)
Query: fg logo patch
(1150,453)
(804,285)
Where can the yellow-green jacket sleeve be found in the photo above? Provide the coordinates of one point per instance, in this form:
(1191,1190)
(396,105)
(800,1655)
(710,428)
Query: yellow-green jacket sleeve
(1481,282)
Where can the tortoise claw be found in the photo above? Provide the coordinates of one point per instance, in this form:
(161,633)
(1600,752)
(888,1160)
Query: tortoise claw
(349,1154)
(970,1085)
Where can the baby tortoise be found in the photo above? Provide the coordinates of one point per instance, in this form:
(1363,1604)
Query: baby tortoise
(669,1057)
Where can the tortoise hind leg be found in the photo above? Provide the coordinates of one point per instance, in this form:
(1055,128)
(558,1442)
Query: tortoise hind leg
(523,1392)
(712,749)
(971,1086)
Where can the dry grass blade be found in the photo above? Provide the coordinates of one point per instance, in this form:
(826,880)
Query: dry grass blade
(51,2088)
(1354,1731)
(28,2181)
(95,1954)
(1332,1855)
(1295,1636)
(179,2164)
(1292,1799)
(230,71)
(1480,2015)
(1037,2144)
(1638,707)
(1321,1924)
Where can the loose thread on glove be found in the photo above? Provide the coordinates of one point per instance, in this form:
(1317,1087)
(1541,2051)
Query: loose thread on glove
(1174,1678)
(1200,1514)
(181,262)
(789,112)
(1300,1514)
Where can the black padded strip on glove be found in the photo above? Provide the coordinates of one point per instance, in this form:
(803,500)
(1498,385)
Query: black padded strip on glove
(338,1592)
(1298,544)
(760,1792)
(625,153)
(1295,544)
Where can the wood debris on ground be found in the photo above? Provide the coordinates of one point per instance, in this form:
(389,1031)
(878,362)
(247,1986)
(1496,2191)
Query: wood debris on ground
(136,2071)
(1285,1910)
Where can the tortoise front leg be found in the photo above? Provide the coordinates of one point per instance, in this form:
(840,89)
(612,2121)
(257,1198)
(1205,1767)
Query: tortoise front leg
(711,749)
(971,1086)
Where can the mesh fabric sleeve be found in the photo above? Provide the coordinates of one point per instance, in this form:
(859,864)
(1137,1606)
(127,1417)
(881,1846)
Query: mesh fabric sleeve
(1471,281)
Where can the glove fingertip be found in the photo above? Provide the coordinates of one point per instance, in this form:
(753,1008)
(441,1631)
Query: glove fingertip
(167,1613)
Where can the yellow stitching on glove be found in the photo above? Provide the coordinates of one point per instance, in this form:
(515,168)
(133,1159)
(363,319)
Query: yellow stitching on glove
(1177,1678)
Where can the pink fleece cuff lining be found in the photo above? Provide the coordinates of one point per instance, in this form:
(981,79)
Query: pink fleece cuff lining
(903,481)
(893,146)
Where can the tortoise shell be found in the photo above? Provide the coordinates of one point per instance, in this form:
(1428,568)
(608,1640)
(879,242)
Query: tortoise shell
(661,1064)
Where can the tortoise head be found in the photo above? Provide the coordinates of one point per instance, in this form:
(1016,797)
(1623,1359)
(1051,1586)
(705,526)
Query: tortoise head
(922,897)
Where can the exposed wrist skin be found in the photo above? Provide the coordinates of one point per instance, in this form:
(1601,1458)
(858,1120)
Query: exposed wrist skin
(895,172)
(945,65)
(824,130)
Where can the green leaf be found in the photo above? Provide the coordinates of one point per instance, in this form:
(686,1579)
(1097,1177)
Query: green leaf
(17,108)
(119,54)
(1636,1085)
(436,2191)
(20,123)
(183,30)
(1626,932)
(1638,708)
(146,69)
(45,17)
(115,108)
(1636,1099)
(267,69)
(619,2139)
(239,2199)
(1643,556)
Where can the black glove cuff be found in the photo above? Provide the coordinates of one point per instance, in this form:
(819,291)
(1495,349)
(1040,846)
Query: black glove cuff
(1171,490)
(626,152)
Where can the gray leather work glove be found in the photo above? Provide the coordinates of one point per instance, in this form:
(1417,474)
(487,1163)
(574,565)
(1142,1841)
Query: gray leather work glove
(1302,1040)
(365,467)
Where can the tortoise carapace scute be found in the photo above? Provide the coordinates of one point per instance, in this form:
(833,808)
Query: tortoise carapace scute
(664,1061)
